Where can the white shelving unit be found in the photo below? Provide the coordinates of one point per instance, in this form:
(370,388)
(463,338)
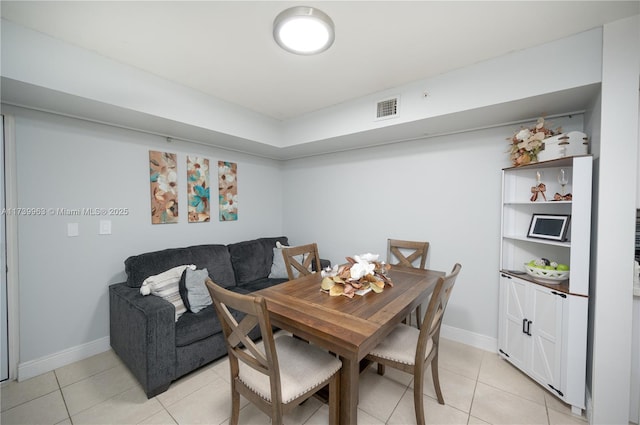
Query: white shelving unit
(542,326)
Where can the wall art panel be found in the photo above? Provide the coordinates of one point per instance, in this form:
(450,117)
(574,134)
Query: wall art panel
(164,190)
(198,189)
(228,190)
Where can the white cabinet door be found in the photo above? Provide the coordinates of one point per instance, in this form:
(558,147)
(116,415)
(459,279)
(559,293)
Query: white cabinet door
(531,329)
(513,339)
(545,327)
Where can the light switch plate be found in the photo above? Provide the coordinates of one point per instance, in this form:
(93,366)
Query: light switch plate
(73,229)
(105,227)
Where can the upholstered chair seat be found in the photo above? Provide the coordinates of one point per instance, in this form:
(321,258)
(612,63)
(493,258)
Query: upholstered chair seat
(302,368)
(395,346)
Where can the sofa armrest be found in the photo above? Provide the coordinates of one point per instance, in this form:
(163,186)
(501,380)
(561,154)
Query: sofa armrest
(142,333)
(323,264)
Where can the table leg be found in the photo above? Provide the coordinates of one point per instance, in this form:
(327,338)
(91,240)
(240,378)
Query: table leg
(349,377)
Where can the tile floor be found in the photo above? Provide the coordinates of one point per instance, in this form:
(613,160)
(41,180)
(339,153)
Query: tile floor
(478,388)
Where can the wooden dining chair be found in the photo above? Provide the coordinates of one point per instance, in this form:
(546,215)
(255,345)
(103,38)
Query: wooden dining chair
(301,260)
(409,349)
(278,374)
(408,254)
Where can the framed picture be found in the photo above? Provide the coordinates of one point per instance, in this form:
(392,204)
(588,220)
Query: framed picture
(549,226)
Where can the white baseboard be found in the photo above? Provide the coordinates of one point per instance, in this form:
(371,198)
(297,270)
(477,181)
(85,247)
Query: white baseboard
(470,338)
(46,364)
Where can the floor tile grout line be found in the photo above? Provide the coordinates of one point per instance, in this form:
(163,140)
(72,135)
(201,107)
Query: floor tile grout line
(475,387)
(528,379)
(543,404)
(32,399)
(163,408)
(397,404)
(192,391)
(117,364)
(473,396)
(64,400)
(546,409)
(312,413)
(133,385)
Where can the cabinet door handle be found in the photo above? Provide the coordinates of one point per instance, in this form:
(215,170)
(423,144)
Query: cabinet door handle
(524,326)
(529,327)
(505,275)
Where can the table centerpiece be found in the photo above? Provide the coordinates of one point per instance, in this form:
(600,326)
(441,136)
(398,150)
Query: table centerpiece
(361,274)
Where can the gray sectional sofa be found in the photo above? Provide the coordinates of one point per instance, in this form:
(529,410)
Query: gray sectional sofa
(156,348)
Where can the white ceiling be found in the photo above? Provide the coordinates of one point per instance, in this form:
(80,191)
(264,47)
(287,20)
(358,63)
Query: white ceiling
(225,48)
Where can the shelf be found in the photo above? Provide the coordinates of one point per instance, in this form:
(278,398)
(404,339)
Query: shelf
(560,287)
(566,244)
(517,209)
(560,162)
(536,203)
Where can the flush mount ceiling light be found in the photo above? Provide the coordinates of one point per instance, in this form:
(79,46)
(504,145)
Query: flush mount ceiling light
(303,30)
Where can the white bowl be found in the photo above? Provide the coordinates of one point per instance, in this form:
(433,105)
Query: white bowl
(546,275)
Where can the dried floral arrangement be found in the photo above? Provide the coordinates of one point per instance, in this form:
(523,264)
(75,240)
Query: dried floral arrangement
(362,272)
(528,142)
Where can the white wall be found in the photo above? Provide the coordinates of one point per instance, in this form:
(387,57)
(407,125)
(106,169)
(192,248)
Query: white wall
(618,168)
(67,163)
(569,62)
(444,190)
(37,59)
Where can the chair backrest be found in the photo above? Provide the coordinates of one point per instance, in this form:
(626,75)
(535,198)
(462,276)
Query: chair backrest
(430,328)
(239,344)
(302,259)
(405,253)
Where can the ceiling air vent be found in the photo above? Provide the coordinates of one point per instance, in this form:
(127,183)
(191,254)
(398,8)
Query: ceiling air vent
(387,108)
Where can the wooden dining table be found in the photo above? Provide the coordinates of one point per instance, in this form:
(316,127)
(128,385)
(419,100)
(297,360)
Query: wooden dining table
(348,327)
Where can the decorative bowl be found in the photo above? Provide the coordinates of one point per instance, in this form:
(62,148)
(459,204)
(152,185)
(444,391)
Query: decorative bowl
(546,275)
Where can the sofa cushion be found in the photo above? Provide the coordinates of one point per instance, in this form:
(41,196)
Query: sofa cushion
(261,284)
(193,327)
(140,267)
(215,258)
(217,261)
(252,260)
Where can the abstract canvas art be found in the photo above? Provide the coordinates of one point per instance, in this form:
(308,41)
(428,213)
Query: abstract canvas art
(228,190)
(198,189)
(164,189)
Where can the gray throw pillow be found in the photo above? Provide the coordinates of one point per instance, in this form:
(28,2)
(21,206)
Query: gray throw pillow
(278,267)
(193,290)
